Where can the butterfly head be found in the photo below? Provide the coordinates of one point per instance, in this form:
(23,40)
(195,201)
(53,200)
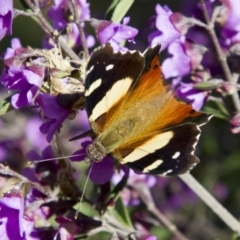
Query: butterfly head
(95,152)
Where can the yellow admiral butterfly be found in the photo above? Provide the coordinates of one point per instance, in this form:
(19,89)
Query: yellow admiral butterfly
(135,116)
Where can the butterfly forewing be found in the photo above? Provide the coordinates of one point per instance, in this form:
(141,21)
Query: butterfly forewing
(109,76)
(136,117)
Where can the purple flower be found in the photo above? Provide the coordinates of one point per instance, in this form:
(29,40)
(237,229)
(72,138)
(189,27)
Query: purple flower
(179,64)
(53,114)
(67,229)
(166,32)
(196,97)
(14,223)
(12,52)
(235,123)
(26,81)
(60,11)
(114,33)
(60,14)
(6,18)
(130,196)
(16,76)
(231,21)
(44,171)
(101,172)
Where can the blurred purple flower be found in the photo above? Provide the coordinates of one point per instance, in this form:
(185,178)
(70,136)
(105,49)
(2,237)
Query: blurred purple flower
(130,196)
(3,153)
(220,191)
(114,33)
(14,223)
(147,237)
(235,123)
(231,21)
(6,18)
(101,172)
(53,114)
(26,80)
(166,32)
(35,138)
(59,12)
(183,197)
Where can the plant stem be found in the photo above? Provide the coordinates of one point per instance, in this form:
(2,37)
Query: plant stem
(215,206)
(51,31)
(146,197)
(221,56)
(80,29)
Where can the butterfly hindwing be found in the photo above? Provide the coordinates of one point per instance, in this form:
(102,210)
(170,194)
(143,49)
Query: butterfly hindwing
(167,153)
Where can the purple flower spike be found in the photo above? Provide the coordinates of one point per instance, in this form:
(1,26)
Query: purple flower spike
(54,114)
(14,225)
(6,18)
(101,172)
(166,33)
(108,31)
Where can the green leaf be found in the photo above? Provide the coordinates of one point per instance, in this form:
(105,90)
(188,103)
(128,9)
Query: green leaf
(121,213)
(5,105)
(111,8)
(216,108)
(87,209)
(209,85)
(160,232)
(120,9)
(100,235)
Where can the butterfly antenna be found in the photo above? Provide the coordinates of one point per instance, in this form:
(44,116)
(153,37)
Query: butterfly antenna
(56,158)
(84,189)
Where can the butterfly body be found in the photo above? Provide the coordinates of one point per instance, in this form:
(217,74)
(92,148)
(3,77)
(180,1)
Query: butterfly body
(135,116)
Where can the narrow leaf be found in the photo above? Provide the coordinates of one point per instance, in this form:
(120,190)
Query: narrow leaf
(121,9)
(121,213)
(5,105)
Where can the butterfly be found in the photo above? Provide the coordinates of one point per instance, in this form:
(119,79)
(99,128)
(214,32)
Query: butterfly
(135,116)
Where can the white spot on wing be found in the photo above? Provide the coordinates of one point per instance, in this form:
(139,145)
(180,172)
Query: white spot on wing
(175,155)
(167,172)
(90,69)
(93,86)
(118,90)
(154,165)
(109,67)
(197,138)
(157,142)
